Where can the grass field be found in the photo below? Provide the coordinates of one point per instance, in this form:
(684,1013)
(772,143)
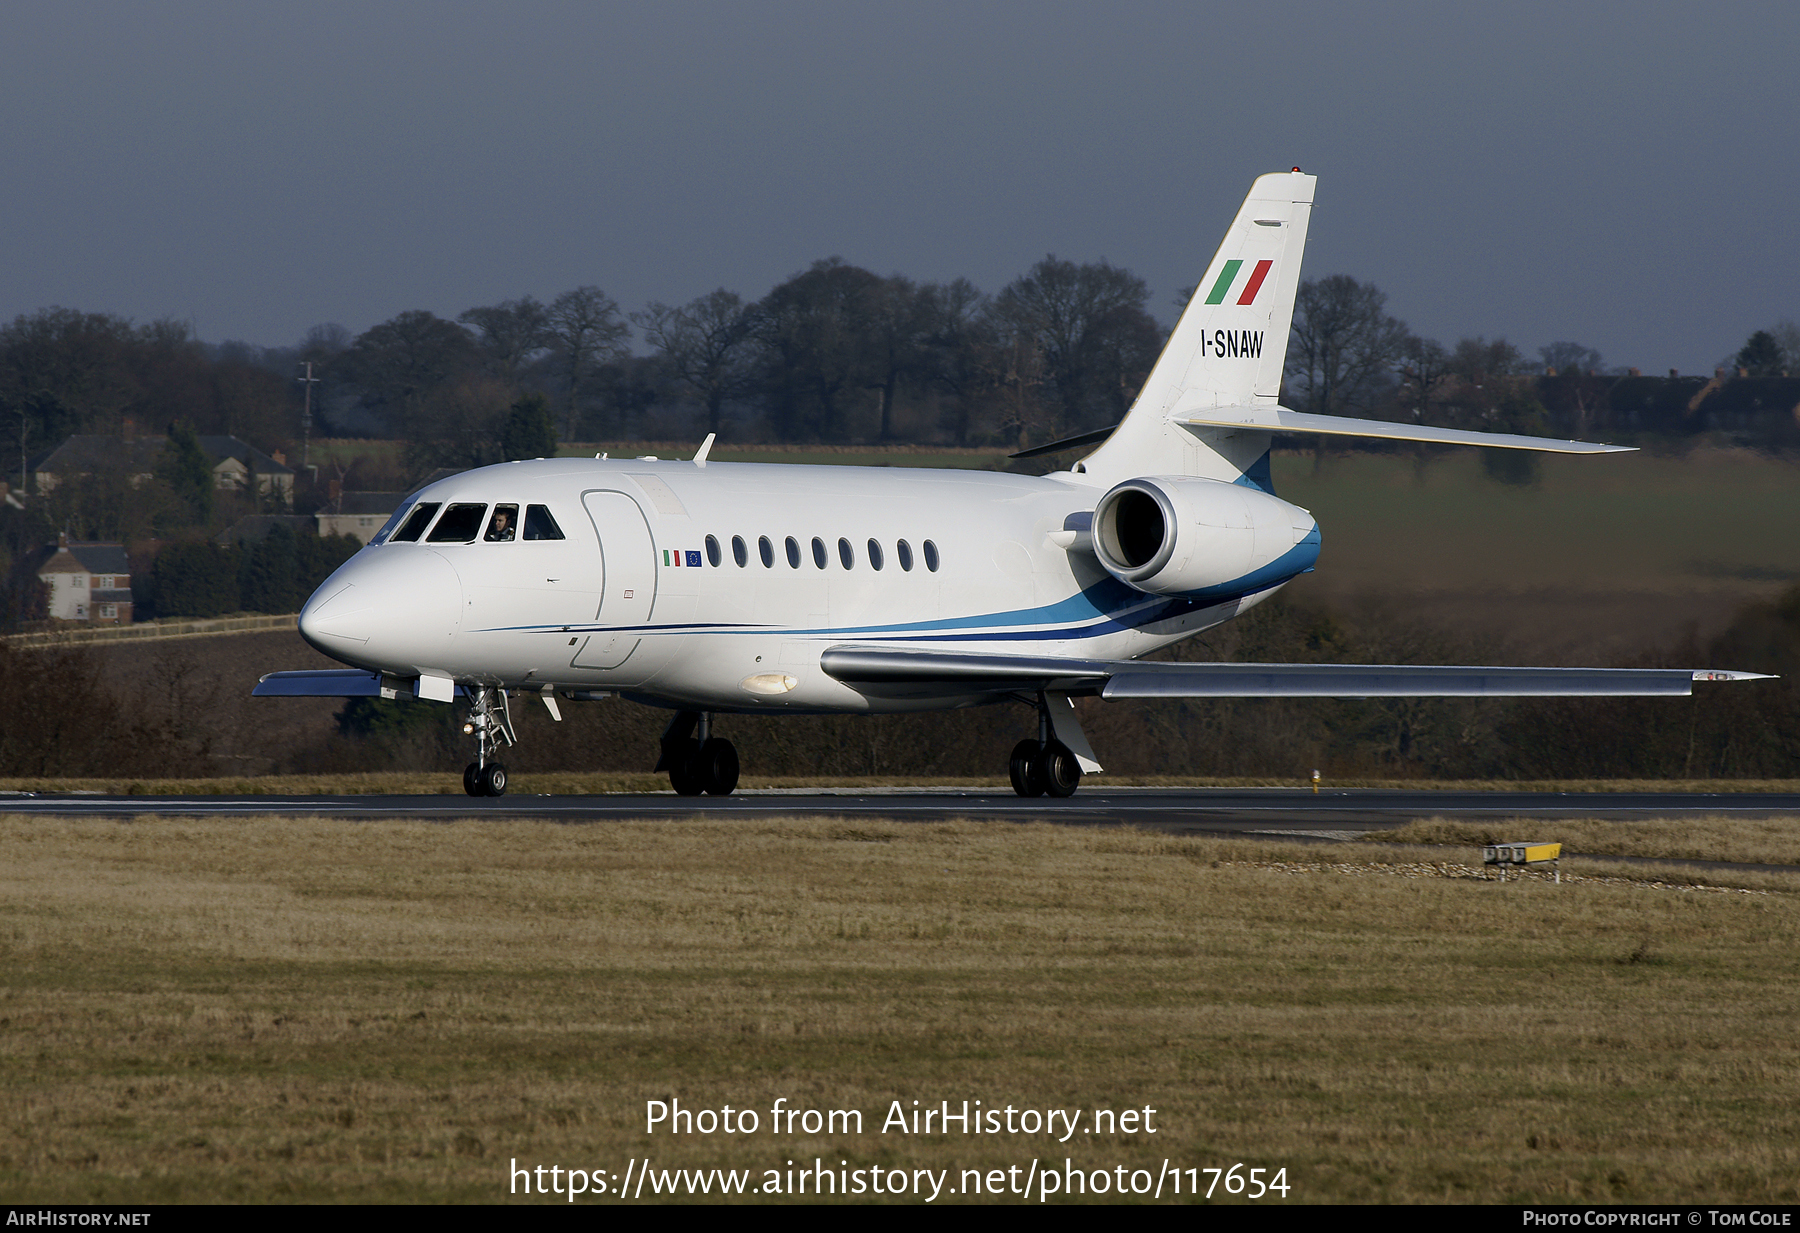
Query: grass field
(1623,550)
(286,1009)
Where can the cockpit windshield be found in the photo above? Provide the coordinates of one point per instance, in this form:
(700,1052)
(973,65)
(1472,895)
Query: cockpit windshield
(460,524)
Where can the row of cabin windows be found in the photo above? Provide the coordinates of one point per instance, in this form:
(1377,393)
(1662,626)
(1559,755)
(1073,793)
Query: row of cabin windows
(462,522)
(740,552)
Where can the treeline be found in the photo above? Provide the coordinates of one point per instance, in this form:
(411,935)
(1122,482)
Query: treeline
(64,372)
(835,353)
(1348,356)
(273,574)
(1748,730)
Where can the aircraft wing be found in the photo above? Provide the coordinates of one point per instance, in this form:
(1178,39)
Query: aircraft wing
(893,672)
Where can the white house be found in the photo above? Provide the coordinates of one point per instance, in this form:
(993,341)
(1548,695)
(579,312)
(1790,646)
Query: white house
(88,582)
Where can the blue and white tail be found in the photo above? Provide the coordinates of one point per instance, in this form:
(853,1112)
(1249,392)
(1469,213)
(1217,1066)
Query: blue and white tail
(1227,351)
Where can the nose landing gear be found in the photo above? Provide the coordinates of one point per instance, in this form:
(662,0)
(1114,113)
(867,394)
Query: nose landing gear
(490,723)
(696,760)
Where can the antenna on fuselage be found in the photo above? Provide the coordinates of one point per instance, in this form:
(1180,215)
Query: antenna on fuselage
(705,449)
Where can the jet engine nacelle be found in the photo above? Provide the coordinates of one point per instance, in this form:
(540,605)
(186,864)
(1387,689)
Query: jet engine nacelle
(1177,535)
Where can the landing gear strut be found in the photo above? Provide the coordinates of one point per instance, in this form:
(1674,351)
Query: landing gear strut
(490,723)
(1046,765)
(697,761)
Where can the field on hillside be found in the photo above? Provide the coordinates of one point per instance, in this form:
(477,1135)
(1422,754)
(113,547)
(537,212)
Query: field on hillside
(1609,553)
(289,1009)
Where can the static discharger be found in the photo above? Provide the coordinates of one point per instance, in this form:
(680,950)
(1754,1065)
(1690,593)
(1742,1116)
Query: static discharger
(1504,856)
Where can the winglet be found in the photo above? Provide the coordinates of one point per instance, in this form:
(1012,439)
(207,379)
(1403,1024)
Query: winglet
(705,448)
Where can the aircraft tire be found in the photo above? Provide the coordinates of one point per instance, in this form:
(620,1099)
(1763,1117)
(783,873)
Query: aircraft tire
(493,779)
(718,766)
(1058,770)
(1027,775)
(684,770)
(470,784)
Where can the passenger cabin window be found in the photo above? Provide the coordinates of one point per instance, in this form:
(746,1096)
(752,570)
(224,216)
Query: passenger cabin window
(459,525)
(766,551)
(931,556)
(793,551)
(739,553)
(539,524)
(903,550)
(845,554)
(874,554)
(713,555)
(819,557)
(504,525)
(416,522)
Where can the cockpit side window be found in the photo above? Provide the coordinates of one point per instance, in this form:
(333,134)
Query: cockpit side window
(387,528)
(504,525)
(416,522)
(459,525)
(539,524)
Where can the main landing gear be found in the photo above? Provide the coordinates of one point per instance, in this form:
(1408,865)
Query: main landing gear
(490,723)
(697,761)
(1045,766)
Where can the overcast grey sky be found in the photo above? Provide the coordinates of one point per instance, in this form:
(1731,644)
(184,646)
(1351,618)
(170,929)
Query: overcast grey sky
(1618,174)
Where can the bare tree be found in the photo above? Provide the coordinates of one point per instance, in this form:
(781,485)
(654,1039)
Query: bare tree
(1344,345)
(1566,358)
(400,362)
(960,353)
(586,329)
(511,334)
(1571,386)
(1090,324)
(813,333)
(707,345)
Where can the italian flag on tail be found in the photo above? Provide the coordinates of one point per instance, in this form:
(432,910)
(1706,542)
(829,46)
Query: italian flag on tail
(1228,276)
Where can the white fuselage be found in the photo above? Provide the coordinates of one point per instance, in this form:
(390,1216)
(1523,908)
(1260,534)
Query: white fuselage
(645,593)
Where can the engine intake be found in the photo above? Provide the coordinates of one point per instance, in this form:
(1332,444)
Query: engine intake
(1178,535)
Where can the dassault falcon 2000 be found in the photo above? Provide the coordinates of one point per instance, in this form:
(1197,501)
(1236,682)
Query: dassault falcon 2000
(717,588)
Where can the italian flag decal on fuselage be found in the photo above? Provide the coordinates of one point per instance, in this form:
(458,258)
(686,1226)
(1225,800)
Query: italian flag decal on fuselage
(1228,276)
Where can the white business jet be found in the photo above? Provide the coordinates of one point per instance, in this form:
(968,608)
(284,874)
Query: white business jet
(716,588)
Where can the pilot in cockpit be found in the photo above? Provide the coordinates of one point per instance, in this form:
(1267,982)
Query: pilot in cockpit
(500,527)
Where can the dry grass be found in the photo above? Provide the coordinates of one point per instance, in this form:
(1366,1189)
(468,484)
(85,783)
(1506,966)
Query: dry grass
(1761,841)
(574,783)
(292,1009)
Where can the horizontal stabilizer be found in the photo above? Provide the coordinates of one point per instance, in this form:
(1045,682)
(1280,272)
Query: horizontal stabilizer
(1067,443)
(324,683)
(905,673)
(1280,419)
(336,683)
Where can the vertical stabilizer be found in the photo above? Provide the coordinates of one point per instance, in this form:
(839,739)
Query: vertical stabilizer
(1228,349)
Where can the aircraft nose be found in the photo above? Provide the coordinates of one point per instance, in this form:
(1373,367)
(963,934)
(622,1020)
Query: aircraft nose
(391,609)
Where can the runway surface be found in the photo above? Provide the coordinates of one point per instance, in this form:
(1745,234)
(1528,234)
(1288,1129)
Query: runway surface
(1244,811)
